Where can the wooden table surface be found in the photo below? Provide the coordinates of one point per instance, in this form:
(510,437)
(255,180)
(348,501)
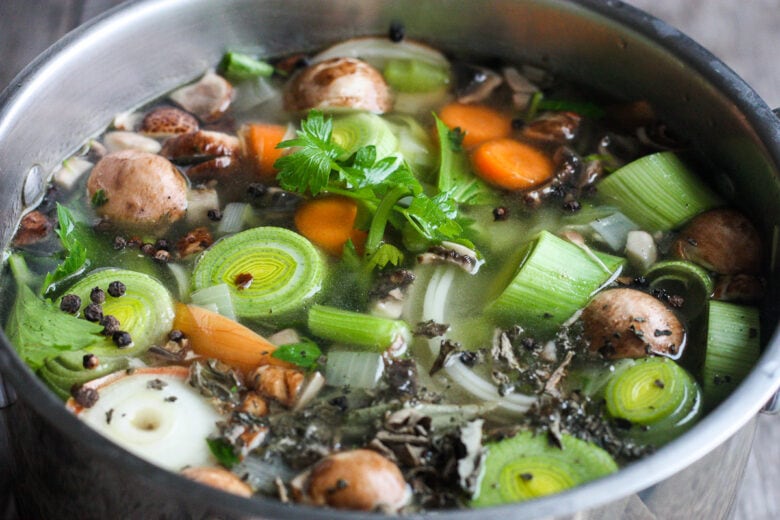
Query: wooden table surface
(743,34)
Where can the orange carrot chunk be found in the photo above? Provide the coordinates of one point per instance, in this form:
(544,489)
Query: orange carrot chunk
(478,122)
(259,142)
(511,165)
(215,336)
(329,222)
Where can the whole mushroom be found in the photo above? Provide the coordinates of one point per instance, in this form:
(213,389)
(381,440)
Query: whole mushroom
(721,240)
(358,479)
(346,83)
(628,323)
(137,190)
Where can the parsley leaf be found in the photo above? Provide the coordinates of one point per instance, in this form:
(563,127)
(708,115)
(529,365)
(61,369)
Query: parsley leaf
(304,354)
(384,255)
(99,198)
(75,252)
(310,166)
(38,330)
(223,452)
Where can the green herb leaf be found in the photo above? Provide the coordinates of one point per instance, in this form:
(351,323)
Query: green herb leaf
(386,254)
(309,168)
(75,252)
(99,198)
(583,108)
(304,354)
(38,330)
(454,138)
(223,452)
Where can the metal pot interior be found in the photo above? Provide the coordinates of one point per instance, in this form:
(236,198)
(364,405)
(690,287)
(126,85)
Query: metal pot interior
(144,49)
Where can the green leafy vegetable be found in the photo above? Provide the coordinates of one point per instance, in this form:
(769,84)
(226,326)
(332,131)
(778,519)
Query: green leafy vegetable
(304,354)
(99,198)
(223,452)
(75,252)
(386,186)
(38,330)
(583,108)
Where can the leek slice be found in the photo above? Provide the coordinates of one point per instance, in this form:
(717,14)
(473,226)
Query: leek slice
(353,369)
(271,272)
(553,280)
(684,278)
(732,348)
(145,311)
(409,75)
(354,131)
(66,370)
(658,192)
(355,328)
(527,466)
(657,396)
(377,52)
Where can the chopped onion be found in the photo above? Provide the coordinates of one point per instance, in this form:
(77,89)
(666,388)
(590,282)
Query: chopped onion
(216,296)
(234,218)
(353,369)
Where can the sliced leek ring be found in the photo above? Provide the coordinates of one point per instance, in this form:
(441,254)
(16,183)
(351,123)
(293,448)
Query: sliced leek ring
(271,272)
(527,466)
(356,130)
(145,311)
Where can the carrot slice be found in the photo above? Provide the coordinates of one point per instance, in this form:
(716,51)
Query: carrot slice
(329,222)
(511,165)
(215,336)
(259,142)
(480,123)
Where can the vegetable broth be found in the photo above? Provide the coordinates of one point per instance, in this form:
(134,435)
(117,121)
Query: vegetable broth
(404,262)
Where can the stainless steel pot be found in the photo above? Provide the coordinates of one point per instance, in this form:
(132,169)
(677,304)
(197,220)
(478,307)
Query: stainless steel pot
(143,49)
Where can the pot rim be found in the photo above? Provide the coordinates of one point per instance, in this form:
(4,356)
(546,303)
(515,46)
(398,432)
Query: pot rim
(705,436)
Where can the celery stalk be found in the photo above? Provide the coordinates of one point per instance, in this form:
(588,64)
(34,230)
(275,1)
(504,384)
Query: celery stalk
(355,328)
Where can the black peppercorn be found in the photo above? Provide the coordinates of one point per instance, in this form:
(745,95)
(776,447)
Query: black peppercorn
(97,295)
(163,244)
(256,189)
(122,338)
(110,324)
(70,303)
(119,242)
(116,289)
(162,256)
(176,335)
(84,395)
(397,32)
(90,361)
(147,249)
(215,215)
(93,312)
(500,213)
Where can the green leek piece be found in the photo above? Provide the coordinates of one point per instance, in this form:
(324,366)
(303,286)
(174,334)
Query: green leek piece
(354,131)
(238,67)
(527,466)
(684,278)
(217,295)
(657,396)
(271,272)
(355,328)
(67,369)
(353,369)
(658,192)
(145,311)
(733,347)
(416,76)
(553,280)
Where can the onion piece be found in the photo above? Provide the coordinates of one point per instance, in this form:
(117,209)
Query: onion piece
(378,51)
(154,414)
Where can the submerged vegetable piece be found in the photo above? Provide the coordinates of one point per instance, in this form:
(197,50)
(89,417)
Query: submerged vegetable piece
(355,328)
(624,322)
(215,336)
(477,122)
(511,165)
(144,311)
(527,466)
(657,396)
(329,222)
(67,369)
(154,414)
(259,143)
(286,271)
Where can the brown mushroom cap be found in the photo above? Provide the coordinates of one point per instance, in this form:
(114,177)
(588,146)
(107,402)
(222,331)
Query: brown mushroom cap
(142,190)
(218,478)
(338,83)
(627,323)
(208,98)
(168,121)
(357,479)
(721,240)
